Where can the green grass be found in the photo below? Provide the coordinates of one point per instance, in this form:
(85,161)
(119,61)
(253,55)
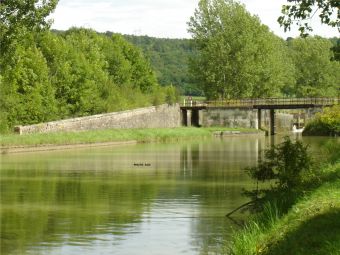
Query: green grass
(311,225)
(111,135)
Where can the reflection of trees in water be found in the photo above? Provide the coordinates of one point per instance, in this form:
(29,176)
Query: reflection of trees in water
(220,158)
(43,207)
(218,180)
(42,204)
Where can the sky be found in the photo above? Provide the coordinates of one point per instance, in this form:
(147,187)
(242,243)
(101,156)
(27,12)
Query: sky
(160,18)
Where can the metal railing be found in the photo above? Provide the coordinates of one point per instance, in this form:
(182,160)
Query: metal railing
(253,102)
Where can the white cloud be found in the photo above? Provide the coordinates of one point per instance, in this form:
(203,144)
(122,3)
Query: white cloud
(159,18)
(269,11)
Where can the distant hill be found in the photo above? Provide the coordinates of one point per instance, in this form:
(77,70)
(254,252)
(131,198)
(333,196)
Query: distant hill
(170,59)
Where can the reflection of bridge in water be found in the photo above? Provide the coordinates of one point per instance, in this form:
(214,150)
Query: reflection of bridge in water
(190,109)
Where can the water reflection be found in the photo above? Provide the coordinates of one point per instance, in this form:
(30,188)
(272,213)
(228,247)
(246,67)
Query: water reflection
(141,199)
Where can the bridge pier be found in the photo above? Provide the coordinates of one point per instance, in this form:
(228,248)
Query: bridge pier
(195,117)
(184,118)
(190,117)
(259,119)
(272,122)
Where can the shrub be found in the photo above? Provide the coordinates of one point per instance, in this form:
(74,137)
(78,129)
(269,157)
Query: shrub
(171,95)
(283,163)
(325,123)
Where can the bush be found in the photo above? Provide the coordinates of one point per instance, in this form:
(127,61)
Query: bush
(283,163)
(325,123)
(171,95)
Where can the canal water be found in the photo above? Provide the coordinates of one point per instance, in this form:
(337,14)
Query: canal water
(137,199)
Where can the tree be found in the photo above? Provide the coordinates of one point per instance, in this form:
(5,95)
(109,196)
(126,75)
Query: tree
(27,95)
(237,55)
(336,48)
(74,73)
(300,11)
(18,17)
(169,58)
(316,74)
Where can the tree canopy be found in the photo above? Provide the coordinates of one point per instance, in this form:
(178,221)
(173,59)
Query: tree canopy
(18,17)
(237,55)
(79,72)
(299,12)
(316,74)
(170,60)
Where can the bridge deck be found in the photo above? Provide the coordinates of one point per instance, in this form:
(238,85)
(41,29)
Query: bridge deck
(265,103)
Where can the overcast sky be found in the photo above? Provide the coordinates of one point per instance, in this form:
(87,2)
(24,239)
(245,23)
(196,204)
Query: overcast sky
(159,18)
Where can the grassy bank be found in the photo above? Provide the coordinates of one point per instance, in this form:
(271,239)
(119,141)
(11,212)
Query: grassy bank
(310,226)
(111,135)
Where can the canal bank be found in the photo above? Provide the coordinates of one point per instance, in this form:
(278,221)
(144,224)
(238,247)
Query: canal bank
(95,138)
(309,226)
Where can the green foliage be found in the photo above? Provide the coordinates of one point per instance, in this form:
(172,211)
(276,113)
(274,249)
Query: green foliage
(19,17)
(316,74)
(333,151)
(284,163)
(172,95)
(325,123)
(304,229)
(110,135)
(27,94)
(336,48)
(237,55)
(74,73)
(301,11)
(169,58)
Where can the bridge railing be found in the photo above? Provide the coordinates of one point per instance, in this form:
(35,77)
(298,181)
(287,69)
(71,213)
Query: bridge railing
(251,102)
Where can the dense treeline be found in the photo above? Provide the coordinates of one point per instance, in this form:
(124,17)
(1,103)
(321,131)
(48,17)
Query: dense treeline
(336,48)
(51,75)
(240,57)
(316,73)
(74,73)
(170,60)
(285,60)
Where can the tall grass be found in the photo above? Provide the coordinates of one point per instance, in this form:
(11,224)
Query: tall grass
(311,226)
(252,239)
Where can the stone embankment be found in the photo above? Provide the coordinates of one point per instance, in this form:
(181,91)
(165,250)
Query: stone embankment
(163,116)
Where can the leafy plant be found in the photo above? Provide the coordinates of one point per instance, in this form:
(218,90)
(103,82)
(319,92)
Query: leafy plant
(284,163)
(325,123)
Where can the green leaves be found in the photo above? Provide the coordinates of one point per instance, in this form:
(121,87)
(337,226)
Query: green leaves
(301,11)
(326,123)
(20,17)
(283,163)
(28,95)
(238,56)
(316,74)
(76,73)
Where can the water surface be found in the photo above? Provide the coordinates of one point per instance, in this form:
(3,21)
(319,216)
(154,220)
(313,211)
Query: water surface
(136,199)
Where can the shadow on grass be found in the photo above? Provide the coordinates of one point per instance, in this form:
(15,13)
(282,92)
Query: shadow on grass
(318,236)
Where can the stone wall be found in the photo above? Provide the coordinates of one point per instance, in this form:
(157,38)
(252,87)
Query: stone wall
(246,118)
(163,116)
